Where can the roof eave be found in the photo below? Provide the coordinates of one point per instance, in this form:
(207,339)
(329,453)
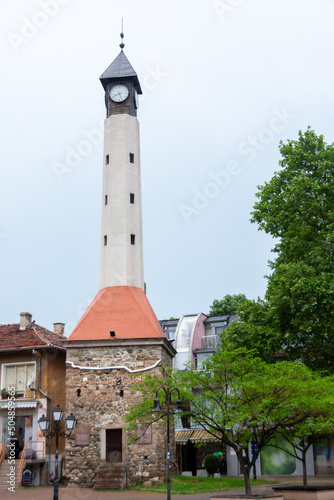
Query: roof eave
(134,79)
(32,348)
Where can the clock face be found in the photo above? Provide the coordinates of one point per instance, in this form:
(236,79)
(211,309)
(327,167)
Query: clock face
(118,93)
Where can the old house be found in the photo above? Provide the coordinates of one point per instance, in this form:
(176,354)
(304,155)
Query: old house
(32,378)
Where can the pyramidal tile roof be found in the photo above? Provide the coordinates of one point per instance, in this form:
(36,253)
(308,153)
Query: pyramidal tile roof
(33,337)
(123,310)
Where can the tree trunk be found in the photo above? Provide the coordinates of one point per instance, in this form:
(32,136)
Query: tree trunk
(304,469)
(245,472)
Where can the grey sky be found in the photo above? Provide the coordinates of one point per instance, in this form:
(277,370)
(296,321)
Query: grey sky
(223,82)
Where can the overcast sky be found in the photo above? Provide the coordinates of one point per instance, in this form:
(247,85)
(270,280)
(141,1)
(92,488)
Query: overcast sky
(223,82)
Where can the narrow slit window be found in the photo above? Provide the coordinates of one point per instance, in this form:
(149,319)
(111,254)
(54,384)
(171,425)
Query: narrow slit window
(132,197)
(132,157)
(107,159)
(105,240)
(106,199)
(133,239)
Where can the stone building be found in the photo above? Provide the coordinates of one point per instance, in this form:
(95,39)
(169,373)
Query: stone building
(119,333)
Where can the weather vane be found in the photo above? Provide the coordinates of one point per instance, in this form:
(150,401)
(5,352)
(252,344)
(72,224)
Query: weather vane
(122,36)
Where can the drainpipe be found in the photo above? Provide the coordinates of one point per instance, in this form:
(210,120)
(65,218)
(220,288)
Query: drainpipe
(50,400)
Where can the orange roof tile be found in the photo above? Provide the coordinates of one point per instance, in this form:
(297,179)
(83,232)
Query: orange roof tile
(123,310)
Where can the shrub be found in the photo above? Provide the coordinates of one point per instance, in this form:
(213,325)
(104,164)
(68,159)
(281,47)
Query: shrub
(211,464)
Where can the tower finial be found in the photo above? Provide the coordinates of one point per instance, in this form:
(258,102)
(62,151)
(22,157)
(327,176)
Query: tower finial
(122,36)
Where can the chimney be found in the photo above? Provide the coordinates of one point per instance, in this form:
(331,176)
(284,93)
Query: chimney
(25,320)
(59,329)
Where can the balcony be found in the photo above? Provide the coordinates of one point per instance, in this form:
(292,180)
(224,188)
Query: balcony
(209,342)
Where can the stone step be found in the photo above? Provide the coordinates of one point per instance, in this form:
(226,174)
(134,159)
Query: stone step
(109,473)
(111,477)
(110,485)
(4,470)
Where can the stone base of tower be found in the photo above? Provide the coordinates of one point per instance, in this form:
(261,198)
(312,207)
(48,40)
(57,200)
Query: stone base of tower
(99,391)
(99,399)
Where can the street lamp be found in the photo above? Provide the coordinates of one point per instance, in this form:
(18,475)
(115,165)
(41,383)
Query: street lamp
(157,409)
(251,427)
(43,422)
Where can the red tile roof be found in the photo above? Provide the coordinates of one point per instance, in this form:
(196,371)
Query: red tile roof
(35,336)
(124,310)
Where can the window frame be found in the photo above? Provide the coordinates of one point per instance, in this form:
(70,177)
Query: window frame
(4,366)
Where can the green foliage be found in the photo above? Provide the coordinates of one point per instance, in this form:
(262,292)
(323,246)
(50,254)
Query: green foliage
(140,416)
(254,329)
(230,304)
(296,205)
(297,208)
(319,423)
(239,397)
(211,464)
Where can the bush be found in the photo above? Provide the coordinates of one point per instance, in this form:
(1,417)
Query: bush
(211,464)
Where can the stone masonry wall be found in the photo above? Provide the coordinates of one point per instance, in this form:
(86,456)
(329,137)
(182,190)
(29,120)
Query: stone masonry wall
(100,399)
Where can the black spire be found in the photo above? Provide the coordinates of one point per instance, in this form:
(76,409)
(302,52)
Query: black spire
(122,36)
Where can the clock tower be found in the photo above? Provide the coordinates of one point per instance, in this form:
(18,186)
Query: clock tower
(121,238)
(118,334)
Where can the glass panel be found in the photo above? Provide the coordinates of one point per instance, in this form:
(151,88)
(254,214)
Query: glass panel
(21,378)
(171,332)
(200,359)
(185,329)
(10,376)
(17,376)
(219,329)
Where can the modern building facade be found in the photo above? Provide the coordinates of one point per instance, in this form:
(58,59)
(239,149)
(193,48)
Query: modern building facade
(196,338)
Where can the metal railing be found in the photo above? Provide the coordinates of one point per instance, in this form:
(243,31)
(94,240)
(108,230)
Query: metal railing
(30,448)
(209,342)
(2,452)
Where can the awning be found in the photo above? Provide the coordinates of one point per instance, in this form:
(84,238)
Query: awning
(181,437)
(201,435)
(21,404)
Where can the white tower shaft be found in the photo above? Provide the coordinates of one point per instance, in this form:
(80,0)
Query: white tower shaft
(121,238)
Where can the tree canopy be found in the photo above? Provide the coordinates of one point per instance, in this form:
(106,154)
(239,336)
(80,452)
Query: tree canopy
(319,423)
(230,304)
(297,208)
(255,329)
(237,398)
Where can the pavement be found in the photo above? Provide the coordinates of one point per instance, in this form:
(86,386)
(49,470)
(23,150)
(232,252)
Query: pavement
(46,493)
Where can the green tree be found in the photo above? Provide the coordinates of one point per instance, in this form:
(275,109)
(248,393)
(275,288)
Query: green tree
(254,329)
(319,424)
(296,207)
(230,304)
(238,398)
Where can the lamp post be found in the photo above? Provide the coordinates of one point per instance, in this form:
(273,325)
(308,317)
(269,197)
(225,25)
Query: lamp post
(58,417)
(251,426)
(157,409)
